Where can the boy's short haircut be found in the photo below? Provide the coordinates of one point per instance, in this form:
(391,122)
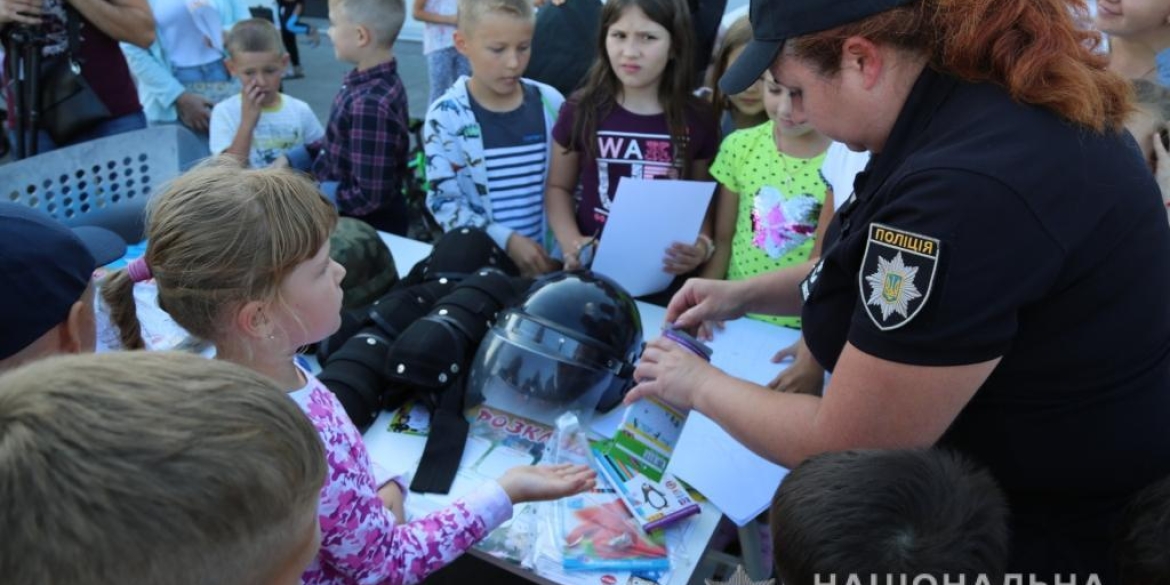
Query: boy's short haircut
(1141,546)
(383,18)
(139,468)
(888,512)
(254,35)
(470,12)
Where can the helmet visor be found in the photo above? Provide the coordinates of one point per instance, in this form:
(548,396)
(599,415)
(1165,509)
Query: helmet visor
(533,370)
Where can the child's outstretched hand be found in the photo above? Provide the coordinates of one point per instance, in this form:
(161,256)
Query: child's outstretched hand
(533,483)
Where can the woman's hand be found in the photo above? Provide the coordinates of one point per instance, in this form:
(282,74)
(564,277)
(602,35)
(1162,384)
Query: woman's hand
(533,483)
(682,258)
(804,376)
(529,256)
(707,330)
(670,373)
(20,12)
(194,111)
(702,300)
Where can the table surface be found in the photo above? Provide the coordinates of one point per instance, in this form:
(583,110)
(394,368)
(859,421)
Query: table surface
(394,450)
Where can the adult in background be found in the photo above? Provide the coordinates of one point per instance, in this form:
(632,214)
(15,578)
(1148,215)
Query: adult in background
(996,284)
(181,76)
(102,24)
(563,43)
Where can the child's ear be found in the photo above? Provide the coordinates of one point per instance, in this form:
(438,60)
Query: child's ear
(231,67)
(284,61)
(364,37)
(460,42)
(251,320)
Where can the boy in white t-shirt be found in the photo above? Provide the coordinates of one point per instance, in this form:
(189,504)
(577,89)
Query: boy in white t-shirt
(259,124)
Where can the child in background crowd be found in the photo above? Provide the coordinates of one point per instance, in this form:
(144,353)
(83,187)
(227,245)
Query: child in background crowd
(851,515)
(634,117)
(1149,123)
(260,124)
(444,63)
(361,162)
(487,138)
(143,468)
(745,109)
(241,258)
(772,210)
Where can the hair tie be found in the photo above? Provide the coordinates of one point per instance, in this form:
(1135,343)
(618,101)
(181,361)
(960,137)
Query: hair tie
(138,270)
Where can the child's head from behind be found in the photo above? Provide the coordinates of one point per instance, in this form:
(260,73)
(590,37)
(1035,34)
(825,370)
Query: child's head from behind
(749,102)
(361,29)
(496,38)
(905,512)
(1140,545)
(256,57)
(238,255)
(138,468)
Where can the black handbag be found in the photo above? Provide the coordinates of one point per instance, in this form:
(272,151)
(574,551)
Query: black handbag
(68,105)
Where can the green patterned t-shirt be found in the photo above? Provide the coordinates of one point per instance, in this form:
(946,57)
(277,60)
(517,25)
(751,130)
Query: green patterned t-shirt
(780,200)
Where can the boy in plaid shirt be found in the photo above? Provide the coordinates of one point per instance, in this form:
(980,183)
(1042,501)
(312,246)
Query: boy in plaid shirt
(361,162)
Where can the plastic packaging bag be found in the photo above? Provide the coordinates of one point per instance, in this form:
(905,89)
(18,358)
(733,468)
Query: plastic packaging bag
(594,531)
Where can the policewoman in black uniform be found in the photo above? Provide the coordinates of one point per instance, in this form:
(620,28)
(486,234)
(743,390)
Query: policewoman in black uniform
(999,281)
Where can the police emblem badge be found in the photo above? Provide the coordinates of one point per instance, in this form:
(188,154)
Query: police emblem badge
(897,273)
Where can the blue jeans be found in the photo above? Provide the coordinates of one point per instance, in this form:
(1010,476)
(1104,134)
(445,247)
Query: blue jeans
(444,67)
(213,71)
(45,143)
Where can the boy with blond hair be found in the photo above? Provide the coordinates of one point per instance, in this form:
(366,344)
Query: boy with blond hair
(142,468)
(361,162)
(487,138)
(260,123)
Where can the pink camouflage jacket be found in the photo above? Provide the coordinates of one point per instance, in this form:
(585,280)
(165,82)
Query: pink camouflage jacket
(361,543)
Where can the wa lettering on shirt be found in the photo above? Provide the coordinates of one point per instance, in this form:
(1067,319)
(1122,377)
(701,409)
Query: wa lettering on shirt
(630,154)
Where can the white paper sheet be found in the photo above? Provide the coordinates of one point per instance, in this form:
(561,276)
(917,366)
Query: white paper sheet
(739,482)
(645,219)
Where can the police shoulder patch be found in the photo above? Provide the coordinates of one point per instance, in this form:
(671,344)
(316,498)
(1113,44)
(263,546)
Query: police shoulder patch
(897,274)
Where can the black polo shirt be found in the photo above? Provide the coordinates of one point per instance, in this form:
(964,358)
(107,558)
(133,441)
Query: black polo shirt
(988,228)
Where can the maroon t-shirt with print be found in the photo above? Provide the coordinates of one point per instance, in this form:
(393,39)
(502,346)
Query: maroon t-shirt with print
(630,145)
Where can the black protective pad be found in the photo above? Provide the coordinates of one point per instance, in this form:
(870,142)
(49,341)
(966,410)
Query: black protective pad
(429,355)
(354,375)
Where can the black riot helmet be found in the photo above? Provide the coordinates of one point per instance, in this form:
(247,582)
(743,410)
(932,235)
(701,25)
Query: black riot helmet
(571,344)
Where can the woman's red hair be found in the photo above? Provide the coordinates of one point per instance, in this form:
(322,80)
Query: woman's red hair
(1032,48)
